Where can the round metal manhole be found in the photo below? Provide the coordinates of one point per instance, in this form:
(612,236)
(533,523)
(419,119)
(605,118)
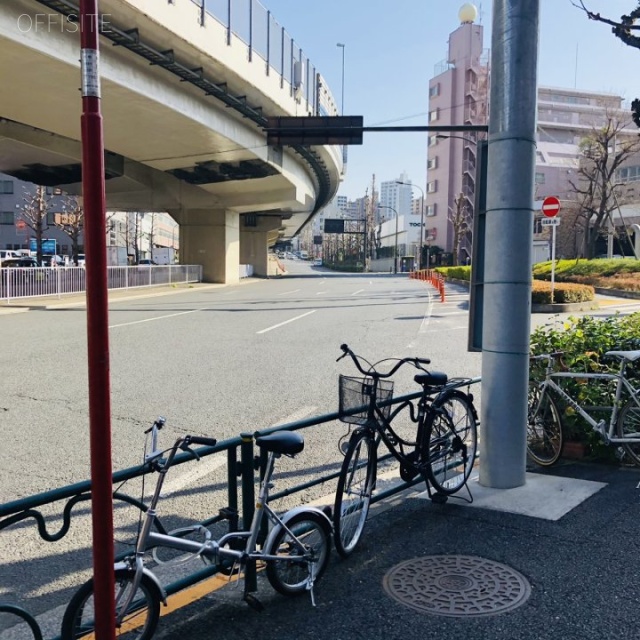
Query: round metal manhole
(457,586)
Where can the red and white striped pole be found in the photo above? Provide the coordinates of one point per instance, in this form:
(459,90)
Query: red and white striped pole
(93,192)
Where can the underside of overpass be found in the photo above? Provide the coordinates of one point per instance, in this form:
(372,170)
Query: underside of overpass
(183,128)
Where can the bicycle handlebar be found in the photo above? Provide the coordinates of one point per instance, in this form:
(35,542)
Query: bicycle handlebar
(207,442)
(416,362)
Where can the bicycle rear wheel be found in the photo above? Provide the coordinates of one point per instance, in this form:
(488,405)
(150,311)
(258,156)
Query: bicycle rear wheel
(139,622)
(290,576)
(544,427)
(353,496)
(451,442)
(628,426)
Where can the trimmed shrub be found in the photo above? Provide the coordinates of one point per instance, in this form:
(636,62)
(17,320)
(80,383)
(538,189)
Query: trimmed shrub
(563,292)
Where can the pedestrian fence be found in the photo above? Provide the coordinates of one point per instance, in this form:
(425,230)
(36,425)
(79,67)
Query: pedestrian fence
(244,463)
(34,282)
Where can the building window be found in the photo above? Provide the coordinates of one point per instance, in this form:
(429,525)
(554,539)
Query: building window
(6,186)
(433,115)
(432,163)
(51,219)
(434,90)
(537,226)
(539,177)
(433,140)
(431,210)
(6,217)
(432,187)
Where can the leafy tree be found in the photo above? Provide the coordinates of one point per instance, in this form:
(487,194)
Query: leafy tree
(603,151)
(34,212)
(71,223)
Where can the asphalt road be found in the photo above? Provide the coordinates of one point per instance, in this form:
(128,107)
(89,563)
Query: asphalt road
(214,361)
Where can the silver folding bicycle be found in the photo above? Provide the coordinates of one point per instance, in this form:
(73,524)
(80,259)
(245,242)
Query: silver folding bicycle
(296,551)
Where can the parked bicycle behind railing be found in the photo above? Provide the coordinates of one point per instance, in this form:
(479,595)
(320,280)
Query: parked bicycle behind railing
(296,550)
(441,449)
(545,433)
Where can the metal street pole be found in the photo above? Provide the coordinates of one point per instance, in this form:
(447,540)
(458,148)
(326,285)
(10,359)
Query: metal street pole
(341,45)
(93,192)
(509,237)
(395,250)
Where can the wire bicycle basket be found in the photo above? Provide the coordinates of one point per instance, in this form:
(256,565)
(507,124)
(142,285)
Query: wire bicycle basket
(355,393)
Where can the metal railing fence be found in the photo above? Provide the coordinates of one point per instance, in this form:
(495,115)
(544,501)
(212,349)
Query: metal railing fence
(244,467)
(34,282)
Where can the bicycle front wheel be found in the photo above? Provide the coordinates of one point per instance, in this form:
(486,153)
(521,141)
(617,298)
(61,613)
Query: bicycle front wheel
(291,575)
(139,622)
(353,496)
(452,442)
(544,427)
(628,426)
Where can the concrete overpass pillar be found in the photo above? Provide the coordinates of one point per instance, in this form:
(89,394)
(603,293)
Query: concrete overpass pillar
(255,242)
(212,239)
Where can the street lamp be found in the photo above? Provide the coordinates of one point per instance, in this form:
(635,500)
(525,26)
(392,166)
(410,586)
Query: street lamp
(339,44)
(409,184)
(395,249)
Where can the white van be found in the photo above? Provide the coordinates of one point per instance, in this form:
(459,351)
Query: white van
(8,253)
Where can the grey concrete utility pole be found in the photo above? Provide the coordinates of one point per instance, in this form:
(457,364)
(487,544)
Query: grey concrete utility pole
(509,235)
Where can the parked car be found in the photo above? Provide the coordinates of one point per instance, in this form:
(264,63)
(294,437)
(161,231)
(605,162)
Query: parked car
(317,262)
(24,261)
(5,254)
(146,261)
(49,261)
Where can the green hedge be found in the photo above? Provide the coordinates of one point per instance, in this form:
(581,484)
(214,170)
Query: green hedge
(455,273)
(595,268)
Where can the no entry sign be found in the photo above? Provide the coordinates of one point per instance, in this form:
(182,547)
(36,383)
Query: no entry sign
(550,206)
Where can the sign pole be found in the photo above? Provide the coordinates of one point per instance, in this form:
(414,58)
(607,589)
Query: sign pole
(94,202)
(553,260)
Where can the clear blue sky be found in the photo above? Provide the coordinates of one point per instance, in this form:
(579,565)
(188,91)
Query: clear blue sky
(392,47)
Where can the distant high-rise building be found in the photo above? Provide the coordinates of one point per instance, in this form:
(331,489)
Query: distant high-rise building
(396,197)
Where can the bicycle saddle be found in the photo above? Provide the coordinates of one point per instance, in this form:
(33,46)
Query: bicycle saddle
(433,379)
(632,356)
(286,442)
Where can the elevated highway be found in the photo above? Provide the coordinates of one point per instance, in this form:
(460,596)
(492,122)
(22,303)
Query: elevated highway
(185,97)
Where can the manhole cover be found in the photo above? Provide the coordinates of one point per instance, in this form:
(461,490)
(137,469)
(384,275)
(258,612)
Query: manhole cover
(458,586)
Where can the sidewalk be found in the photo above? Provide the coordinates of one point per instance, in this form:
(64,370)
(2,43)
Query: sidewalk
(43,303)
(574,577)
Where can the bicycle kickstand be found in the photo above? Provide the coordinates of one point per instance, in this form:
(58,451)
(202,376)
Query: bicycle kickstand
(310,583)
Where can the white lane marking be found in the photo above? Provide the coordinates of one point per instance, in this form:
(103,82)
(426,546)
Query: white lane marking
(205,466)
(355,293)
(287,292)
(280,324)
(321,293)
(171,315)
(425,320)
(200,469)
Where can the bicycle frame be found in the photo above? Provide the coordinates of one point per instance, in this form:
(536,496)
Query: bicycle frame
(599,426)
